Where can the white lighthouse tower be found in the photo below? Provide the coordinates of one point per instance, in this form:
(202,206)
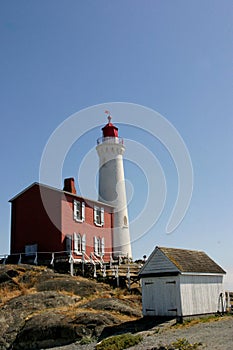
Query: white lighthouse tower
(112,191)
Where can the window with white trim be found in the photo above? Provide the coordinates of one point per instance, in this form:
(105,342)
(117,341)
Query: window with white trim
(79,243)
(84,243)
(79,211)
(98,216)
(99,246)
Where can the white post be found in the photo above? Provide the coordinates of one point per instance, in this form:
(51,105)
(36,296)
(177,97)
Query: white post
(35,260)
(4,260)
(128,277)
(72,268)
(104,271)
(52,260)
(117,277)
(71,261)
(95,274)
(83,262)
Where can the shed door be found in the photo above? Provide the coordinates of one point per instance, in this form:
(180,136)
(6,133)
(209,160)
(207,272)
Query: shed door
(148,298)
(160,297)
(170,297)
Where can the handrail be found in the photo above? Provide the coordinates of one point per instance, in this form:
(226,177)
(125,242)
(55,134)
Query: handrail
(96,260)
(35,255)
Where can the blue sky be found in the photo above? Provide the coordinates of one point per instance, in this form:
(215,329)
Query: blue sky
(175,57)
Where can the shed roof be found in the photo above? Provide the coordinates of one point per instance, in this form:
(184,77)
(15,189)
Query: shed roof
(179,260)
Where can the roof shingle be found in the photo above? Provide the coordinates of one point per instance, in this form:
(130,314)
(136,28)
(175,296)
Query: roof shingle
(191,260)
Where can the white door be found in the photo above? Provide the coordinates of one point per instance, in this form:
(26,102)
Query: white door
(148,298)
(170,296)
(159,297)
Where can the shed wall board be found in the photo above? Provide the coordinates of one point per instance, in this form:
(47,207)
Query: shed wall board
(200,294)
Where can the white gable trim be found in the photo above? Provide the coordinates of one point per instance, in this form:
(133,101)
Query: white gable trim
(201,274)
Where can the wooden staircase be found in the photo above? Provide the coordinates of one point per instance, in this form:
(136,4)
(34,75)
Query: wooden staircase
(126,273)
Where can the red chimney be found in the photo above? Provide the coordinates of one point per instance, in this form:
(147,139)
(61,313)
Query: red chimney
(69,185)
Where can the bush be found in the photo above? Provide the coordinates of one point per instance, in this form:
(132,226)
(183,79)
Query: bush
(119,342)
(183,344)
(86,340)
(179,344)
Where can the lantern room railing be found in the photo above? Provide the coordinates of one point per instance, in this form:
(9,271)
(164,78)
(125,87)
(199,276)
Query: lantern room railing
(110,139)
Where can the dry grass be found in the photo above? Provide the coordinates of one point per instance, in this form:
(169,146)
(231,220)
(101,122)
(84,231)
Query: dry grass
(20,288)
(6,294)
(25,286)
(204,319)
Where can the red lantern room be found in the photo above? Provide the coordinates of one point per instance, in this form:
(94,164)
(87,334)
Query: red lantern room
(110,130)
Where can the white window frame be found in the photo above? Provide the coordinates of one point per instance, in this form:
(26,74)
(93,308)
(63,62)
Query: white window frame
(79,213)
(84,243)
(98,216)
(99,246)
(79,243)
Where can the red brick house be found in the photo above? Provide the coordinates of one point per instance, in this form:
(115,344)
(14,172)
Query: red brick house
(47,220)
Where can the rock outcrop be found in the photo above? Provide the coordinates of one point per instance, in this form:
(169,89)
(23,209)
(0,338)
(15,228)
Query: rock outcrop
(41,309)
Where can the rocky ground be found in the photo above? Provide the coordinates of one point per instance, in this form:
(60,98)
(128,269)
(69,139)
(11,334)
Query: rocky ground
(212,335)
(40,309)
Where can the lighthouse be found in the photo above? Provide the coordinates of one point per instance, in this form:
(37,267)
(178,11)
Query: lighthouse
(110,149)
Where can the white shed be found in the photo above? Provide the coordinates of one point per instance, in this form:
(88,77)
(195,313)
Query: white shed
(180,282)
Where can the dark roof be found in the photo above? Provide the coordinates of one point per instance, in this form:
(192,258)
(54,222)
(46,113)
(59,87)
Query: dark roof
(191,260)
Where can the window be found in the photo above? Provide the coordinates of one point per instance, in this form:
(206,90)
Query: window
(125,221)
(84,243)
(79,211)
(68,243)
(79,243)
(30,249)
(98,216)
(99,246)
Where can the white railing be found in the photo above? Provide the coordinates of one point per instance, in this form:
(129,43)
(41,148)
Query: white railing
(52,257)
(110,139)
(70,255)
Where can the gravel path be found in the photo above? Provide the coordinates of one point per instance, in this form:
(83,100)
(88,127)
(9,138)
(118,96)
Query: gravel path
(214,335)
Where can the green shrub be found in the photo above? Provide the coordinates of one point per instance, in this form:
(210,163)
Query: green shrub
(119,342)
(86,340)
(184,344)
